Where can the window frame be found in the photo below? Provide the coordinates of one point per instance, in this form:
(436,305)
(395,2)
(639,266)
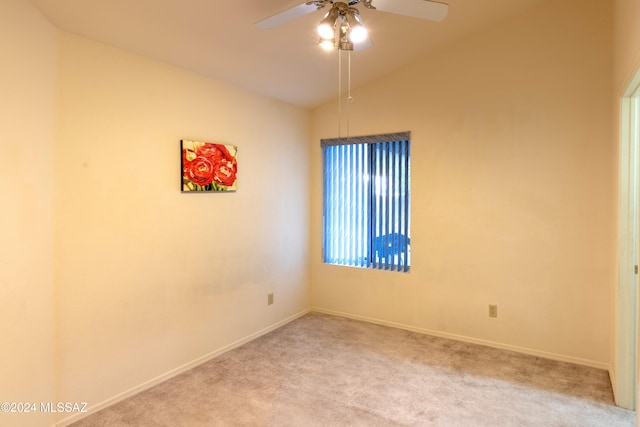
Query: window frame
(387,239)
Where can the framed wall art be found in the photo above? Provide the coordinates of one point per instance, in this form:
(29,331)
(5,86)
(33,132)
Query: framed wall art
(208,167)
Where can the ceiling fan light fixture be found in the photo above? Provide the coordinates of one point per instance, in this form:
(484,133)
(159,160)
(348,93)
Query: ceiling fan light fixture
(326,27)
(327,44)
(345,44)
(325,30)
(357,31)
(342,27)
(358,34)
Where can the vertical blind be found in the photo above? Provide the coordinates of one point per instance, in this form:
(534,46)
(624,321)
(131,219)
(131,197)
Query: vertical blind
(367,201)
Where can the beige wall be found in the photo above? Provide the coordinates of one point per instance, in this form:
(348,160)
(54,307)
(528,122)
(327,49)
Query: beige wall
(149,279)
(626,43)
(512,188)
(27,85)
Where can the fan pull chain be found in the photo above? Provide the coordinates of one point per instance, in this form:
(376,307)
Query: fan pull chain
(349,97)
(339,93)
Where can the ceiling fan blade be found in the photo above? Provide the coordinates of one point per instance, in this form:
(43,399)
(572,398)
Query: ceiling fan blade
(423,9)
(286,15)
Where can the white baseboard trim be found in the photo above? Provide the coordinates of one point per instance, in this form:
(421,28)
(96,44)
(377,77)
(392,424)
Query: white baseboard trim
(614,383)
(524,350)
(177,371)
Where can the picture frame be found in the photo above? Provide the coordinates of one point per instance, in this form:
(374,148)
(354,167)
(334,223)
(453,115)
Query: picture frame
(208,167)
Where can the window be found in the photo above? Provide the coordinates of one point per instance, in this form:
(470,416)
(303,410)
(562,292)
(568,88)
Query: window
(367,201)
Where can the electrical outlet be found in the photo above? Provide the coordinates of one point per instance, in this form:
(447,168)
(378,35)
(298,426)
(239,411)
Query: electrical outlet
(493,310)
(270,299)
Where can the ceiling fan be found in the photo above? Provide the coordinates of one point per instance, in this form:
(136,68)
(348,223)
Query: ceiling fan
(341,28)
(345,11)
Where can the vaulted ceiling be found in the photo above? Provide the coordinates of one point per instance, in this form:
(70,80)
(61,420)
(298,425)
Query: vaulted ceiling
(219,39)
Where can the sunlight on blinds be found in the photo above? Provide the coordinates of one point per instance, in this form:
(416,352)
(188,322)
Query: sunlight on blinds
(367,204)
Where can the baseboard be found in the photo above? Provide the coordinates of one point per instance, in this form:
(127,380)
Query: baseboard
(177,371)
(614,384)
(524,350)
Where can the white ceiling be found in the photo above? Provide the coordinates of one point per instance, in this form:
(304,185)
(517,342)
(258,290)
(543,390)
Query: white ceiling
(219,39)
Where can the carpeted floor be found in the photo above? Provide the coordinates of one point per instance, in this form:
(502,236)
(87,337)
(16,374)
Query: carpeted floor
(322,370)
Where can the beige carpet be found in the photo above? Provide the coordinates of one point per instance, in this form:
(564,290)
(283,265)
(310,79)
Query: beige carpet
(329,371)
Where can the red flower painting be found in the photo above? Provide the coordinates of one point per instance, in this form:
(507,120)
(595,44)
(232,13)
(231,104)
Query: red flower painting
(209,167)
